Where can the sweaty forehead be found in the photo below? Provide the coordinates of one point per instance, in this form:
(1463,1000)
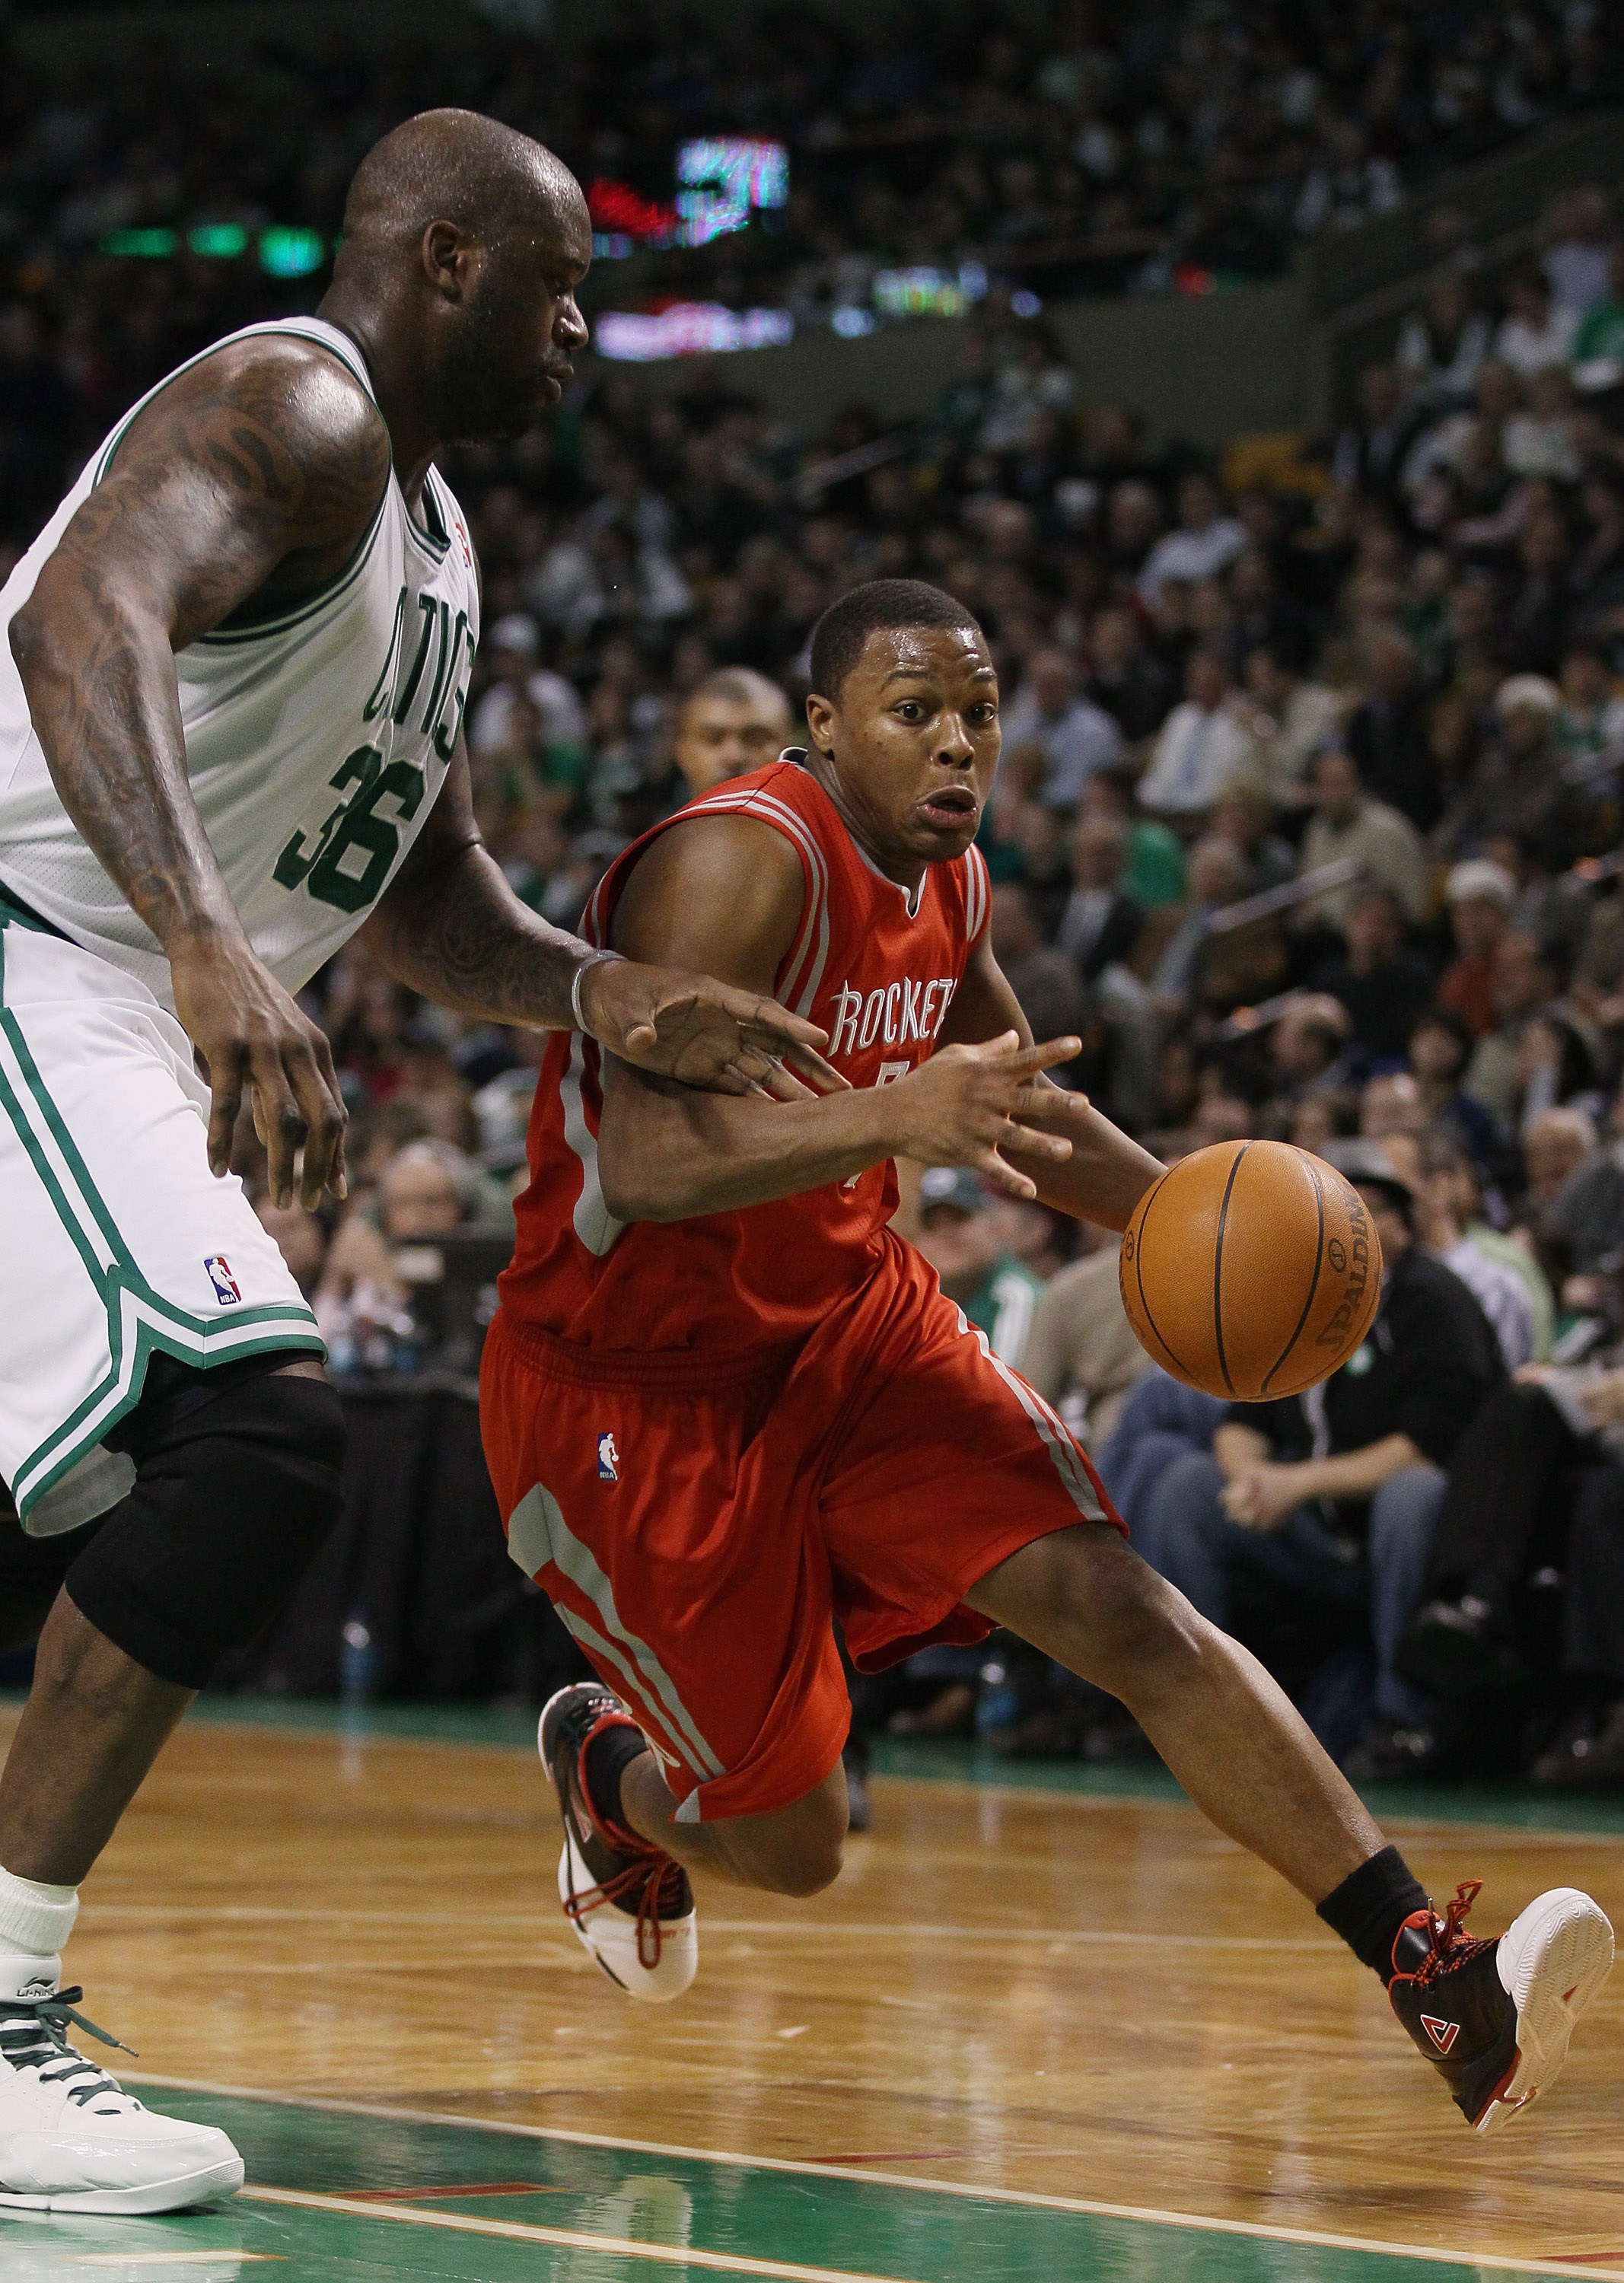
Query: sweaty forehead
(926,650)
(548,213)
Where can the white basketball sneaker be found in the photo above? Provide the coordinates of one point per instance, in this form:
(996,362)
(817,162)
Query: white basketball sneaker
(71,2139)
(630,1902)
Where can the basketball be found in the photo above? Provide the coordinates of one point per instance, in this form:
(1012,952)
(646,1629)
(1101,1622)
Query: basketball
(1250,1270)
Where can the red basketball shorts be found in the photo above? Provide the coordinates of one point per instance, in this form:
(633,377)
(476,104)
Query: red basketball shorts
(698,1536)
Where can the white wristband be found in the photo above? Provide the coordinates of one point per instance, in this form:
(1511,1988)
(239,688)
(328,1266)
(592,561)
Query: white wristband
(595,958)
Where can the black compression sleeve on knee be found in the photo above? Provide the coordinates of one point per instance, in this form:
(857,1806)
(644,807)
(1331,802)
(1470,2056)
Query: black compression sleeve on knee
(1370,1906)
(232,1499)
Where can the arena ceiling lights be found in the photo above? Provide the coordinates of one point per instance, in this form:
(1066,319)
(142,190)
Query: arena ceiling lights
(282,250)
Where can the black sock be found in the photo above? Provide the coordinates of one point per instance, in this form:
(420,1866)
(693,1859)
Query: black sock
(608,1757)
(1370,1906)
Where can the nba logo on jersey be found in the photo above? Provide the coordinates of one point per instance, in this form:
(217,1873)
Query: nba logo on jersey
(608,1460)
(227,1291)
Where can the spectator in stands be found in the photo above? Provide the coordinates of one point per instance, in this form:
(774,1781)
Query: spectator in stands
(1156,863)
(1047,984)
(1440,1048)
(1331,1508)
(1202,745)
(1480,896)
(1555,1144)
(1587,1753)
(302,1238)
(1381,985)
(732,722)
(1440,1180)
(512,652)
(1133,520)
(1442,347)
(1124,679)
(1077,736)
(1591,721)
(1586,1218)
(1217,877)
(1348,825)
(1390,1105)
(1204,542)
(1527,983)
(1244,815)
(1082,1355)
(1102,921)
(1516,788)
(1458,1182)
(1502,1524)
(1386,732)
(1292,718)
(1368,454)
(1598,344)
(1576,262)
(1537,331)
(1307,1045)
(428,1189)
(1159,1423)
(960,1237)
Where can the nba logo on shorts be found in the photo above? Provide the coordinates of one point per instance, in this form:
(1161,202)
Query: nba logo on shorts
(608,1460)
(227,1291)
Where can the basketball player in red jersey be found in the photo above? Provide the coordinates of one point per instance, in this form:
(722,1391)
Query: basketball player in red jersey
(725,1405)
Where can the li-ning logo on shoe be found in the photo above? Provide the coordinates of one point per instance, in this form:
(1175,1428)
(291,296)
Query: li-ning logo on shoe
(227,1290)
(608,1460)
(44,1988)
(1442,2033)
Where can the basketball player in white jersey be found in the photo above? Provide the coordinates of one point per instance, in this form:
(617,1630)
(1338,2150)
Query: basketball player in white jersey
(230,736)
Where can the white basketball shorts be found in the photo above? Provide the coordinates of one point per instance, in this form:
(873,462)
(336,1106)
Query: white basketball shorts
(116,1242)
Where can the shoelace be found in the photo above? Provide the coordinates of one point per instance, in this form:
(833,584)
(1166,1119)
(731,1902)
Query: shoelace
(658,1879)
(33,2034)
(657,1876)
(1450,1947)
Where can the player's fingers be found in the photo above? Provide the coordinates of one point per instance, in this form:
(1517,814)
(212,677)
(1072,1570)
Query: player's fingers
(321,1110)
(776,1042)
(780,1082)
(1003,1177)
(282,1127)
(225,1100)
(1033,1144)
(1028,1060)
(641,1039)
(337,1172)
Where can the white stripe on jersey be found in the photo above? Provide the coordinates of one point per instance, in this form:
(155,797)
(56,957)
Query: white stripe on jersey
(1067,1462)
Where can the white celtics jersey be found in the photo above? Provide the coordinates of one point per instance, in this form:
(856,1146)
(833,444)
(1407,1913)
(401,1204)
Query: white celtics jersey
(317,740)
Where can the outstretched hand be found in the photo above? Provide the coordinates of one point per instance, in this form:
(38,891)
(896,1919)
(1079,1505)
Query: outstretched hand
(704,1034)
(964,1107)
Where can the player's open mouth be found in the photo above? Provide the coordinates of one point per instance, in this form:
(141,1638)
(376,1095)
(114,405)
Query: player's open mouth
(950,809)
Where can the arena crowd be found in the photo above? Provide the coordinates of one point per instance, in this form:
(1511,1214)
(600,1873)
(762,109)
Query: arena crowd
(1308,823)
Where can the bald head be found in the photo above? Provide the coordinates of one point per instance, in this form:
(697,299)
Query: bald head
(464,245)
(462,167)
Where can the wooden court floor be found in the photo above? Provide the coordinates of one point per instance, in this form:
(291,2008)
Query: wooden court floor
(1033,2033)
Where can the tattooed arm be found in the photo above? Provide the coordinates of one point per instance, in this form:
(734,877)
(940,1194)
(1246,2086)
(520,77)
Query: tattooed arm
(253,475)
(449,926)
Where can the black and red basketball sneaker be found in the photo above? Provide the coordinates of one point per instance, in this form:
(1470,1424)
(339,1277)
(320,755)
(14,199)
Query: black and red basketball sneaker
(1494,2018)
(630,1902)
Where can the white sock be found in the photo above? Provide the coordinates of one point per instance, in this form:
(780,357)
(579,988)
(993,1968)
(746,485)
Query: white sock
(35,1919)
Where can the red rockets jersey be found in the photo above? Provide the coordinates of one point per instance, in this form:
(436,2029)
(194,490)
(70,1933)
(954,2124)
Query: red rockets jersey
(879,978)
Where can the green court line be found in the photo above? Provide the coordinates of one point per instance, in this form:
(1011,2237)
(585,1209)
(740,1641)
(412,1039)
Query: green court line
(308,2160)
